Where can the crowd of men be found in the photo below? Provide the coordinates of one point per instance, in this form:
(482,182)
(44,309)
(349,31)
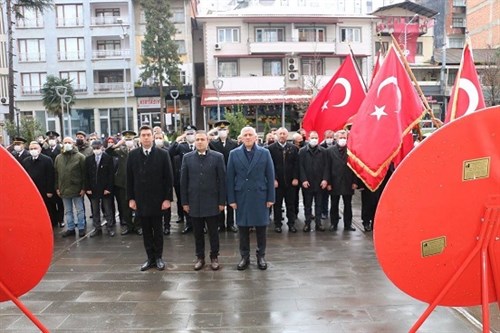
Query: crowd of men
(221,184)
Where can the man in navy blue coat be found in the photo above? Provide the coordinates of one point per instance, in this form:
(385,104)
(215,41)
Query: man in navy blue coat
(250,192)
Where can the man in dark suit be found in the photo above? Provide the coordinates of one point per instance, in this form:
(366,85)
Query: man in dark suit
(18,149)
(341,181)
(99,179)
(250,191)
(224,144)
(286,167)
(41,170)
(328,141)
(182,145)
(149,190)
(203,183)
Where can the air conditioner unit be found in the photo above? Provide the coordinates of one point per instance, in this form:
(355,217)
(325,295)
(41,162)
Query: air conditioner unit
(4,100)
(217,46)
(293,76)
(293,64)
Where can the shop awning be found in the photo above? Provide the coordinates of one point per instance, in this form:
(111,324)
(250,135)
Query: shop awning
(209,97)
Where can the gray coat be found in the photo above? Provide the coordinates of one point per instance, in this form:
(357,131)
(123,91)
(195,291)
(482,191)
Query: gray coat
(203,183)
(250,185)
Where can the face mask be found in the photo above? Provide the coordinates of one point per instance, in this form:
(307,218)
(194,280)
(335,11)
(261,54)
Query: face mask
(190,138)
(313,142)
(79,142)
(342,142)
(159,142)
(40,140)
(68,147)
(222,134)
(329,141)
(129,143)
(17,148)
(97,152)
(52,142)
(34,152)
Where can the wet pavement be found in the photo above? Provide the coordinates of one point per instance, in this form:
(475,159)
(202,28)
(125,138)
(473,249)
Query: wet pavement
(316,282)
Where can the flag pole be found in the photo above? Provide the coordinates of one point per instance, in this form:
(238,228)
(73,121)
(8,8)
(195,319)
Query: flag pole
(428,109)
(357,67)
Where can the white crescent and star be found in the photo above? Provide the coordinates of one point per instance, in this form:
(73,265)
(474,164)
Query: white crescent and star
(471,91)
(348,90)
(379,111)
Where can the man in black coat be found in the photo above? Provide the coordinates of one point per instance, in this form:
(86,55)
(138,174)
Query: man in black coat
(203,183)
(328,141)
(285,158)
(99,181)
(182,145)
(149,191)
(312,171)
(224,145)
(341,182)
(41,170)
(18,149)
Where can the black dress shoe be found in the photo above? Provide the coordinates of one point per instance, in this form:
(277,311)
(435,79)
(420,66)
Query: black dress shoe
(179,221)
(61,224)
(81,233)
(187,230)
(160,264)
(349,229)
(125,230)
(147,265)
(221,229)
(199,264)
(307,228)
(278,230)
(261,263)
(243,264)
(367,227)
(233,228)
(69,233)
(166,231)
(139,231)
(319,227)
(95,232)
(111,232)
(333,228)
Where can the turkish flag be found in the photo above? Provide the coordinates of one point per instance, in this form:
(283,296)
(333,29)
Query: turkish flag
(378,63)
(467,95)
(339,99)
(390,110)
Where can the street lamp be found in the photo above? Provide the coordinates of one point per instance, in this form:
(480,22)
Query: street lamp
(406,33)
(218,83)
(61,92)
(67,100)
(123,36)
(283,89)
(175,94)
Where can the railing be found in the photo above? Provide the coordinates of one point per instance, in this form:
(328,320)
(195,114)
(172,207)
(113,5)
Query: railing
(79,88)
(70,22)
(31,57)
(31,90)
(69,56)
(23,23)
(104,54)
(112,87)
(108,20)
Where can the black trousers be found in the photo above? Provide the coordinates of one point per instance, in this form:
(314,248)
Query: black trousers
(124,209)
(287,193)
(199,235)
(105,204)
(167,216)
(50,204)
(244,233)
(180,211)
(153,236)
(309,196)
(334,212)
(324,202)
(369,202)
(226,218)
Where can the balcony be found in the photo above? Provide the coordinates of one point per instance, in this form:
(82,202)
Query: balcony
(108,20)
(69,22)
(292,46)
(31,57)
(111,54)
(79,89)
(31,90)
(71,56)
(396,24)
(26,24)
(112,87)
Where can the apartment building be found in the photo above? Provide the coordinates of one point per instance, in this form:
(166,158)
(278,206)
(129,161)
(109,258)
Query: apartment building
(266,56)
(483,23)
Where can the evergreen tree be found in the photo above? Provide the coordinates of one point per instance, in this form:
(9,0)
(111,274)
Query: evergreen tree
(52,101)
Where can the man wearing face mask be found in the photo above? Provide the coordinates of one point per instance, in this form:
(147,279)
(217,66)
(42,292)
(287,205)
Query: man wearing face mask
(224,145)
(182,145)
(161,143)
(51,149)
(70,186)
(328,141)
(41,170)
(99,179)
(19,152)
(82,144)
(120,151)
(341,181)
(312,172)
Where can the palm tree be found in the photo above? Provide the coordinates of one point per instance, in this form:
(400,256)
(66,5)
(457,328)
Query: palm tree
(51,99)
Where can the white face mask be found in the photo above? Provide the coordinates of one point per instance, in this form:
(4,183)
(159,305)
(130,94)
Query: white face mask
(97,152)
(68,147)
(52,142)
(17,148)
(129,143)
(222,134)
(34,152)
(313,142)
(342,142)
(329,141)
(159,142)
(190,138)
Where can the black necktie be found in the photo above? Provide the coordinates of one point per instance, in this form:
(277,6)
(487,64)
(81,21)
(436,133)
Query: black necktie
(190,147)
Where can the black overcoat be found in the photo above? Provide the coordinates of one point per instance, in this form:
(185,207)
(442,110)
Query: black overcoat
(41,171)
(99,178)
(340,176)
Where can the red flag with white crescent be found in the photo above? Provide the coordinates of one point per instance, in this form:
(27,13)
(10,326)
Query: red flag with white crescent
(390,110)
(467,95)
(337,101)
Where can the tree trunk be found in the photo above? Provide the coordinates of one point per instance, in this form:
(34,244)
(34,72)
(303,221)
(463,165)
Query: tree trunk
(10,46)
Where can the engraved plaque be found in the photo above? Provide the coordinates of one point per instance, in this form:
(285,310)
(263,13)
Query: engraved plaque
(434,246)
(476,169)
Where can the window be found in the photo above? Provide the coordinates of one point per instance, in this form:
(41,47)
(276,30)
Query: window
(420,49)
(71,49)
(357,6)
(30,18)
(267,35)
(178,15)
(181,46)
(272,67)
(312,66)
(106,15)
(350,35)
(383,45)
(31,50)
(228,68)
(78,80)
(108,48)
(458,22)
(311,34)
(69,15)
(459,3)
(228,35)
(183,77)
(456,43)
(32,83)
